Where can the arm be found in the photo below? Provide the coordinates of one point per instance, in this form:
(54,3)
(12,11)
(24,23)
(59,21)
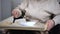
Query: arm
(54,8)
(56,11)
(17,11)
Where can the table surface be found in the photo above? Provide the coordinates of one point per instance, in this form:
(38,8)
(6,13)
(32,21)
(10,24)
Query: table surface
(7,24)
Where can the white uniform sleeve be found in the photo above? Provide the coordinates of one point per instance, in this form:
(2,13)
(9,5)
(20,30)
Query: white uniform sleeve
(55,9)
(57,13)
(57,19)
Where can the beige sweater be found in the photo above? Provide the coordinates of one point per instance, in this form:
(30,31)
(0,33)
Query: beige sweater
(38,9)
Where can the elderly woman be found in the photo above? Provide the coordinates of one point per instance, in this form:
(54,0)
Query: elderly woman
(47,11)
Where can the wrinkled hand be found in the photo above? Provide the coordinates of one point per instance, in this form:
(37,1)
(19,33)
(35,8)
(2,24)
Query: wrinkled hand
(16,13)
(50,24)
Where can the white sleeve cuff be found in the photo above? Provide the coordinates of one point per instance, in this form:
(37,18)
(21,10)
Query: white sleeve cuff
(57,19)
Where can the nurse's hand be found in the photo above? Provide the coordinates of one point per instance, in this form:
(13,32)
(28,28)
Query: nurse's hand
(16,13)
(50,24)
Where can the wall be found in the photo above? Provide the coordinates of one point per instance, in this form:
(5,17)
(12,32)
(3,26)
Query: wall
(7,6)
(0,10)
(6,9)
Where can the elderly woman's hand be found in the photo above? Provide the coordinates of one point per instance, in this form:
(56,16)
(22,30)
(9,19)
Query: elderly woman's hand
(50,24)
(16,13)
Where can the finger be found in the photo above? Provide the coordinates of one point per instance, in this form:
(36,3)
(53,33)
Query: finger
(13,12)
(16,14)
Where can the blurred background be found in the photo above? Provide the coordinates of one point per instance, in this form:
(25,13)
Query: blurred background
(6,6)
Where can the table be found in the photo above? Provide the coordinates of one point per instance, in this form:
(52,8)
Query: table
(7,24)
